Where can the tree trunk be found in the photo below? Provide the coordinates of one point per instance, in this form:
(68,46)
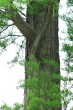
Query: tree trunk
(47,50)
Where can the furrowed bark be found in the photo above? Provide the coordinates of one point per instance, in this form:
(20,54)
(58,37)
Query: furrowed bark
(42,31)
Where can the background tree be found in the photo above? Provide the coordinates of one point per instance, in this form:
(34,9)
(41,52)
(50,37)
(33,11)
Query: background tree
(68,49)
(42,46)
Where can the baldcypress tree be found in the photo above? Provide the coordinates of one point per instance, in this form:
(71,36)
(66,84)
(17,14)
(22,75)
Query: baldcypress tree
(42,70)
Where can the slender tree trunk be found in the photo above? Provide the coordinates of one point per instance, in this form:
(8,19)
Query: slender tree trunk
(48,48)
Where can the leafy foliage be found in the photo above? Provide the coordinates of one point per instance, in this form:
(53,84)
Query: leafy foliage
(3,44)
(4,3)
(43,87)
(5,107)
(16,106)
(67,80)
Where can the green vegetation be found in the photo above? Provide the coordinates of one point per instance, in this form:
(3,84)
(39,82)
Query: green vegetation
(43,88)
(16,106)
(39,80)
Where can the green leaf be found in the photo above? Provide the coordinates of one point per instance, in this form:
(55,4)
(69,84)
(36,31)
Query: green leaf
(3,43)
(4,3)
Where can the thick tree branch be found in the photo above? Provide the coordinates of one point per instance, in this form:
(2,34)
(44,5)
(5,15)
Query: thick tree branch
(24,28)
(22,25)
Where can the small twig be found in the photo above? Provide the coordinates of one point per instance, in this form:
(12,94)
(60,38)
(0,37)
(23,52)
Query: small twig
(22,13)
(6,28)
